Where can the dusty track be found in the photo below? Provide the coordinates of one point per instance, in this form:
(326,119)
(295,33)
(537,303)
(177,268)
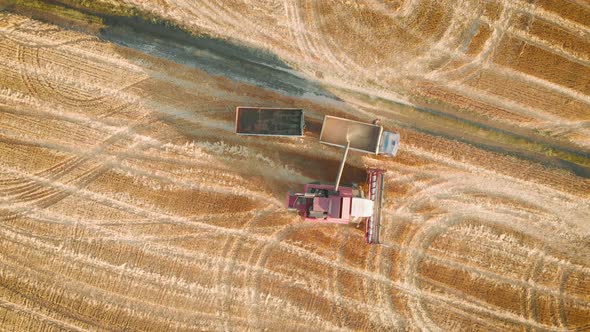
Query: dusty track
(126,202)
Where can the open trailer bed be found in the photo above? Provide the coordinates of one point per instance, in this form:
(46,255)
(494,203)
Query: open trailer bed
(364,137)
(265,121)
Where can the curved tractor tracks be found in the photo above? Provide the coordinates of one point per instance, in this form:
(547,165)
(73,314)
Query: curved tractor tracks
(112,146)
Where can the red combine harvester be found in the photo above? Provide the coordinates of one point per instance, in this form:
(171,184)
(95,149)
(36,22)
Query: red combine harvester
(343,205)
(329,203)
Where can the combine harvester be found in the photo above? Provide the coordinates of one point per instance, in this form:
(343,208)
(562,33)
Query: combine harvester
(342,204)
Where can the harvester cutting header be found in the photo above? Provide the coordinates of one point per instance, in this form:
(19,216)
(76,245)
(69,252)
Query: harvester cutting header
(330,203)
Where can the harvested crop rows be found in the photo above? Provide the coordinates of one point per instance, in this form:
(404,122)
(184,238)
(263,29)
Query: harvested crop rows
(127,202)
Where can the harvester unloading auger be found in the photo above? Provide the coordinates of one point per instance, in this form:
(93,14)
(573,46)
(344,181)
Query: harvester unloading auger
(330,203)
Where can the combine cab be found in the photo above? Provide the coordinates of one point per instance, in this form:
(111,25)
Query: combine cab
(264,121)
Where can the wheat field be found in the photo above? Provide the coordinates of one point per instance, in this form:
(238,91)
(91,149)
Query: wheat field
(128,203)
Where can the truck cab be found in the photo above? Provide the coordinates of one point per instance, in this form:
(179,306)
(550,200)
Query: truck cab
(389,143)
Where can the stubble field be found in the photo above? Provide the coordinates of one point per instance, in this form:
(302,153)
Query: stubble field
(127,202)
